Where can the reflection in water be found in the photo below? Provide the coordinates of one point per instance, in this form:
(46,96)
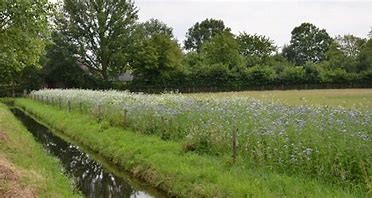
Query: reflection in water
(90,177)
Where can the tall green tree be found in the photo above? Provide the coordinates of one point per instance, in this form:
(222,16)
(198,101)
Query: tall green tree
(308,43)
(157,55)
(23,29)
(102,30)
(61,67)
(158,60)
(365,57)
(153,27)
(255,45)
(335,56)
(222,49)
(288,53)
(350,45)
(201,32)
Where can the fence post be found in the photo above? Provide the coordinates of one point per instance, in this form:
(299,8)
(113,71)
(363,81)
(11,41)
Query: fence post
(99,112)
(125,117)
(81,107)
(69,105)
(234,144)
(59,103)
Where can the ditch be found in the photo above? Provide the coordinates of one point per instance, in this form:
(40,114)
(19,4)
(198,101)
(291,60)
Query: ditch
(93,176)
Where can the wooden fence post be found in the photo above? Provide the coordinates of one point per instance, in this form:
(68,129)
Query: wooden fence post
(59,103)
(99,112)
(125,118)
(81,107)
(234,144)
(69,105)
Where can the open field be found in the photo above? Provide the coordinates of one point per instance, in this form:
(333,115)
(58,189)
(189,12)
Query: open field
(331,144)
(348,98)
(26,170)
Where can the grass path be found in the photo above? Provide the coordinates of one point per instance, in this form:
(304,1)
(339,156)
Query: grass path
(26,170)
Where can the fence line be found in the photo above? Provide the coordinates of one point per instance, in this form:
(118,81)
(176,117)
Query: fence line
(160,89)
(9,91)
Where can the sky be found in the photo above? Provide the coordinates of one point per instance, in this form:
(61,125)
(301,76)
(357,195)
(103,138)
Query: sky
(275,19)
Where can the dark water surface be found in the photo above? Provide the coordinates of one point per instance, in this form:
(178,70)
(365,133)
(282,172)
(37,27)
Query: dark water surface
(91,178)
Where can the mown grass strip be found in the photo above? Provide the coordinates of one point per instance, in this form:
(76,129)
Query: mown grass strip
(164,164)
(38,171)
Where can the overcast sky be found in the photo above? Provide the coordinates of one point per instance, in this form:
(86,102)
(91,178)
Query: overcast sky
(275,18)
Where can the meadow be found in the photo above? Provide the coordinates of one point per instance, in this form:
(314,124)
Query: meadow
(344,98)
(331,143)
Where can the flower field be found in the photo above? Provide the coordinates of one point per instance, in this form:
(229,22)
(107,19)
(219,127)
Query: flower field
(332,144)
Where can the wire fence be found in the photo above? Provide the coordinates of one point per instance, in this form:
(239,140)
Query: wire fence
(161,89)
(17,90)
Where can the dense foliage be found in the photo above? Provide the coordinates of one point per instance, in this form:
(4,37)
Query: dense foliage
(102,32)
(23,29)
(90,44)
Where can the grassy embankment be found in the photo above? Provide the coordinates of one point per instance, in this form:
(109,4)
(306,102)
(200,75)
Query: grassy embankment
(26,170)
(166,165)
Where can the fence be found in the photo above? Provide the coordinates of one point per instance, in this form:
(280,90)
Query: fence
(160,89)
(9,91)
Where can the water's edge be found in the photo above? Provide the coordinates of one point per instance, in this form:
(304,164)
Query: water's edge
(94,175)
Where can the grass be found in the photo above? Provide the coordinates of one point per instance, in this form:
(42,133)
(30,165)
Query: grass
(38,171)
(166,165)
(327,143)
(348,98)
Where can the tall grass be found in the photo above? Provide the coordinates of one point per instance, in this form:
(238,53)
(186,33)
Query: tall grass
(329,143)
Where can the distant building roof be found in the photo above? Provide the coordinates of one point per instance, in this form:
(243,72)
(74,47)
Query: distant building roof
(127,76)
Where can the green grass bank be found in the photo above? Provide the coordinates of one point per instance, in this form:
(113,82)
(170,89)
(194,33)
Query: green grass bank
(165,164)
(26,170)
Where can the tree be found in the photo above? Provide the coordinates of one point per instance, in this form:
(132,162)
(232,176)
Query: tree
(157,55)
(22,30)
(335,56)
(153,27)
(365,57)
(255,45)
(102,30)
(201,32)
(61,68)
(288,52)
(222,49)
(350,45)
(157,60)
(308,43)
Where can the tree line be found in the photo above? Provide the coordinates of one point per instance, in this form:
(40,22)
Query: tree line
(90,43)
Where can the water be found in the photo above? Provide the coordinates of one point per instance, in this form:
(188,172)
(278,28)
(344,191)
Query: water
(91,177)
